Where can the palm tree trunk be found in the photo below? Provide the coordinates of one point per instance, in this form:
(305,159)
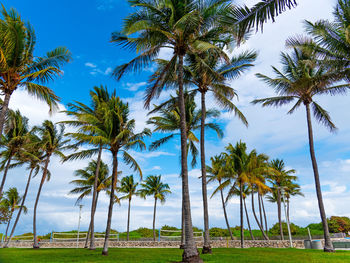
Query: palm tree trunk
(111,203)
(279,213)
(182,246)
(43,178)
(154,218)
(190,253)
(20,208)
(206,246)
(328,246)
(93,204)
(241,212)
(128,224)
(87,236)
(5,175)
(246,213)
(4,109)
(265,218)
(256,218)
(8,225)
(260,211)
(225,214)
(288,210)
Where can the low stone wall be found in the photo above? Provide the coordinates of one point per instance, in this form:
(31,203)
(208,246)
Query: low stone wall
(165,244)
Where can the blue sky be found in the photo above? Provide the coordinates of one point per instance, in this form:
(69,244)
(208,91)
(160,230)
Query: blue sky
(85,27)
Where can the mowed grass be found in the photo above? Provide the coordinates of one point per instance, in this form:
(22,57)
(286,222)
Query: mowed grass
(256,255)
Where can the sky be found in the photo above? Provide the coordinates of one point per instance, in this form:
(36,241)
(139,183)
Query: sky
(85,28)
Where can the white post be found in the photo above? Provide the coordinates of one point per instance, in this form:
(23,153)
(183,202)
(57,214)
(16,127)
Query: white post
(287,219)
(80,207)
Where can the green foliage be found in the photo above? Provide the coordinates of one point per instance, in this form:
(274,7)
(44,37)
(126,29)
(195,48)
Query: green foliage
(339,224)
(274,230)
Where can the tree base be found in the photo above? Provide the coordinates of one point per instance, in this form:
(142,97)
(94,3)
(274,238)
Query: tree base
(191,259)
(329,250)
(92,248)
(182,246)
(36,246)
(207,250)
(104,253)
(5,246)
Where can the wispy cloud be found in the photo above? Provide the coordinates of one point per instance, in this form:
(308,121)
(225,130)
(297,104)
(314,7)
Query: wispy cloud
(90,65)
(96,70)
(135,86)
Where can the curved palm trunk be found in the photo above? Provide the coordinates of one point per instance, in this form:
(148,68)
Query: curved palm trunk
(288,210)
(265,218)
(88,236)
(93,204)
(190,253)
(4,109)
(111,203)
(43,178)
(5,175)
(248,222)
(256,218)
(127,231)
(206,246)
(154,218)
(241,212)
(328,246)
(279,213)
(20,208)
(225,214)
(260,211)
(8,225)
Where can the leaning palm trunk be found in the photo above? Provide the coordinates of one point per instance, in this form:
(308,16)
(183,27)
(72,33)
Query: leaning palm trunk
(260,211)
(256,218)
(206,246)
(225,214)
(128,224)
(154,218)
(241,212)
(246,213)
(111,203)
(94,201)
(43,178)
(8,225)
(265,218)
(190,253)
(20,209)
(87,236)
(328,246)
(4,109)
(279,213)
(288,210)
(89,233)
(5,174)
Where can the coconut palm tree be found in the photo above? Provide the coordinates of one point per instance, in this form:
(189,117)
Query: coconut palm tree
(183,26)
(128,187)
(89,121)
(52,142)
(13,140)
(301,79)
(218,173)
(291,189)
(153,186)
(33,156)
(20,68)
(279,180)
(118,136)
(12,200)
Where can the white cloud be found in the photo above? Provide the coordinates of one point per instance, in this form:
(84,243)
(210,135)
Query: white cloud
(90,65)
(135,86)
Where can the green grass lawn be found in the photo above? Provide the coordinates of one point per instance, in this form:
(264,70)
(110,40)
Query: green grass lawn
(256,255)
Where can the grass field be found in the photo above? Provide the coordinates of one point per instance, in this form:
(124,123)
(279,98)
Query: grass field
(256,255)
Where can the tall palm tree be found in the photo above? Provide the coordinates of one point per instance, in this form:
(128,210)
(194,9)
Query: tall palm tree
(32,155)
(89,121)
(301,79)
(52,142)
(218,173)
(153,186)
(13,140)
(12,200)
(183,26)
(20,68)
(118,136)
(128,187)
(279,180)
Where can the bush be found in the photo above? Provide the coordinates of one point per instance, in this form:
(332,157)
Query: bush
(275,230)
(339,224)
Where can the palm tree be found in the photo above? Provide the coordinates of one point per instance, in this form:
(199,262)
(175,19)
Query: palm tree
(11,201)
(183,26)
(118,136)
(20,68)
(279,180)
(153,186)
(33,156)
(52,142)
(85,185)
(15,137)
(291,189)
(89,121)
(302,79)
(128,187)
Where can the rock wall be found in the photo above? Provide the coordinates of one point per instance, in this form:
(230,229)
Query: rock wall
(165,244)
